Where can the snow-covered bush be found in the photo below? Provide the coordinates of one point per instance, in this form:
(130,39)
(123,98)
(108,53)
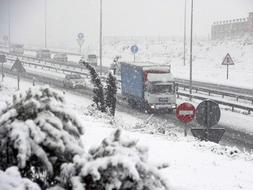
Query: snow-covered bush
(99,116)
(38,134)
(110,94)
(12,180)
(117,164)
(98,90)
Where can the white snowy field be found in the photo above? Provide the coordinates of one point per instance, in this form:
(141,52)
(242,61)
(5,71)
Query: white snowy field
(207,57)
(193,165)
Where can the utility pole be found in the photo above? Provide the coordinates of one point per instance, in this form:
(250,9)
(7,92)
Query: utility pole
(184,29)
(191,47)
(101,37)
(45,22)
(9,24)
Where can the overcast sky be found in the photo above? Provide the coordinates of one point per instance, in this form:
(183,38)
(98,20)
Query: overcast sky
(66,18)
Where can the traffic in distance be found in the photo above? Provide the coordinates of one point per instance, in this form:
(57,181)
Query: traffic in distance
(46,54)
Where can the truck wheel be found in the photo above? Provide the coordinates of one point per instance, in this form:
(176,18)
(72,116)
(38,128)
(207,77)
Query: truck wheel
(131,103)
(147,109)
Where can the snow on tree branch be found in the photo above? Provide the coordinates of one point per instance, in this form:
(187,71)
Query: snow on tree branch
(119,163)
(38,130)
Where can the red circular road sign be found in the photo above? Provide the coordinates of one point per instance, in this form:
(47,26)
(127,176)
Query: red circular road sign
(185,112)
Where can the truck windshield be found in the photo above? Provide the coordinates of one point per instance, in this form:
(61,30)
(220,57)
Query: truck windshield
(156,89)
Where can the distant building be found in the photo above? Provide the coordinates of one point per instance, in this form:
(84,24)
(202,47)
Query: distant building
(232,28)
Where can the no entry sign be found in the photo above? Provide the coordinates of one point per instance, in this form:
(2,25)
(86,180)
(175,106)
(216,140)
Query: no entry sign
(185,112)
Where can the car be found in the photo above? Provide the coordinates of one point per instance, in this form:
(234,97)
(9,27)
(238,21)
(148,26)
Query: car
(17,49)
(74,81)
(61,57)
(92,59)
(43,54)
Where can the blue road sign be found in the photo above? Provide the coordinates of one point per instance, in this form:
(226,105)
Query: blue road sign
(80,35)
(134,49)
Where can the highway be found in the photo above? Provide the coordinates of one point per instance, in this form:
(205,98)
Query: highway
(231,137)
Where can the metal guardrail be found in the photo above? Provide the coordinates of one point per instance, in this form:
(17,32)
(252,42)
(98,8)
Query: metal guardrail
(217,92)
(50,67)
(74,65)
(53,51)
(52,61)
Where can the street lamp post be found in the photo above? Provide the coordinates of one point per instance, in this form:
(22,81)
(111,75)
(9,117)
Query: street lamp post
(9,24)
(45,22)
(191,48)
(101,37)
(184,29)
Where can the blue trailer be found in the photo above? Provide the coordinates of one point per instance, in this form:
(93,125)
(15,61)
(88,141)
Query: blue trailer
(148,86)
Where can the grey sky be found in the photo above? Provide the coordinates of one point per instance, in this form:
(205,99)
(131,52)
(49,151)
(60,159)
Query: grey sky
(121,17)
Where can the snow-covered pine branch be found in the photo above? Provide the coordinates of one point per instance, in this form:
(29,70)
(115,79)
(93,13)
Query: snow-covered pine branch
(98,91)
(38,134)
(110,94)
(119,163)
(12,180)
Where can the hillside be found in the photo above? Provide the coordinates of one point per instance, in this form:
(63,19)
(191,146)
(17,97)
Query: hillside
(207,57)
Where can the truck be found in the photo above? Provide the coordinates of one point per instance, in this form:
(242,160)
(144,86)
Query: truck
(74,81)
(43,54)
(17,49)
(61,57)
(148,86)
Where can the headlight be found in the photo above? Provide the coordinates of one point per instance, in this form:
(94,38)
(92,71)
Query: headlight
(152,106)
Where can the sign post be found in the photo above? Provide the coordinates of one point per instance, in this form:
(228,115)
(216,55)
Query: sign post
(227,61)
(18,68)
(2,60)
(134,50)
(185,112)
(80,41)
(207,115)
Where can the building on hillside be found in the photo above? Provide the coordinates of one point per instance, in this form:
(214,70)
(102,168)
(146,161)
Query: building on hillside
(232,28)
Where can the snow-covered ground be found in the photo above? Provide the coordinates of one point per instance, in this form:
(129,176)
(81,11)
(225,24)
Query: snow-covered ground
(207,57)
(193,165)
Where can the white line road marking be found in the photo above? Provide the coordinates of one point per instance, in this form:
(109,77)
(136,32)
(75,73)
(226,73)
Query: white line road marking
(186,112)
